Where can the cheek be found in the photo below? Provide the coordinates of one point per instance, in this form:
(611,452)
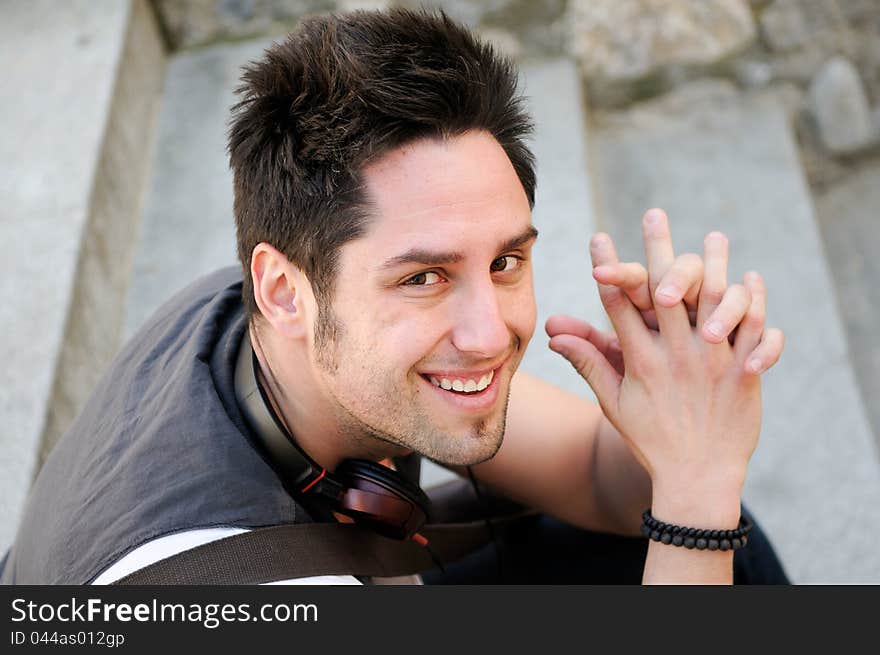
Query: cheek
(411,338)
(394,338)
(521,312)
(532,315)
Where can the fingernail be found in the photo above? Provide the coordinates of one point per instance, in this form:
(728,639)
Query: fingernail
(602,270)
(715,328)
(668,292)
(754,365)
(652,217)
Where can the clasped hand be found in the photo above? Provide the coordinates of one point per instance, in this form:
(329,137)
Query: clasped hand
(680,379)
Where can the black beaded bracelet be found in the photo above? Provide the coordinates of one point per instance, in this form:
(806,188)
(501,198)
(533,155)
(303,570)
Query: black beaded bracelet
(678,535)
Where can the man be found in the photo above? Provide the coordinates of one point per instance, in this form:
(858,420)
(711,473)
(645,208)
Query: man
(383,195)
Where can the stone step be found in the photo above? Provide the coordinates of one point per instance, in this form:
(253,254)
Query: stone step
(563,214)
(717,160)
(847,214)
(187,228)
(81,85)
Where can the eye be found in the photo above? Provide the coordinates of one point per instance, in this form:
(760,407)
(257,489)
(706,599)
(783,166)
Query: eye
(504,263)
(422,279)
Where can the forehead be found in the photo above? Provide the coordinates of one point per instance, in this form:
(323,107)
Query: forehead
(444,191)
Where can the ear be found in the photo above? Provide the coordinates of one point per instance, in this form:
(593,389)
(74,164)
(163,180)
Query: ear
(281,291)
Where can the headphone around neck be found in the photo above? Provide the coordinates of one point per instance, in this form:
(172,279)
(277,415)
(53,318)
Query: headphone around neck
(372,495)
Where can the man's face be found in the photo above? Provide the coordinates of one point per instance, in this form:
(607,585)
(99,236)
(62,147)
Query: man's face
(438,291)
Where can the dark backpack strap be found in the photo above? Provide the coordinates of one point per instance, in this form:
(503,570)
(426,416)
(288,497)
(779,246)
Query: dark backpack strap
(303,550)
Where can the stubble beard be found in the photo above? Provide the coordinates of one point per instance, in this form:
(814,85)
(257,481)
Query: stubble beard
(419,433)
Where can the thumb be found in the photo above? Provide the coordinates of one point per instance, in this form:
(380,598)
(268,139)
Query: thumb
(591,365)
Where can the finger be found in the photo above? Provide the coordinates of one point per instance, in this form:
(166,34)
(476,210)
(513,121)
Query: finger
(728,314)
(673,321)
(593,367)
(606,343)
(632,277)
(767,353)
(750,331)
(692,299)
(625,318)
(658,246)
(682,280)
(650,318)
(715,254)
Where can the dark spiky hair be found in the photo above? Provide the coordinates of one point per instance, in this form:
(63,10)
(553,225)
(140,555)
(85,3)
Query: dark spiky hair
(339,92)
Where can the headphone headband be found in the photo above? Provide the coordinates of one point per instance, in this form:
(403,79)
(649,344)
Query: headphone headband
(296,468)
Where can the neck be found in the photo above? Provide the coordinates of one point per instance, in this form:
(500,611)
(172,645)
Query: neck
(310,416)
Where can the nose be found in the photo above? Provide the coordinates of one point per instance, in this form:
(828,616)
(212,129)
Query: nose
(479,326)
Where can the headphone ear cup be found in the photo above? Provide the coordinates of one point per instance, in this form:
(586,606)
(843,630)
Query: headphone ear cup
(381,499)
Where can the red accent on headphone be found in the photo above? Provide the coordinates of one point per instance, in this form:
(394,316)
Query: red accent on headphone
(314,482)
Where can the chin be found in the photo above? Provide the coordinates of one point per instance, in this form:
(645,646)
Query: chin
(473,447)
(474,459)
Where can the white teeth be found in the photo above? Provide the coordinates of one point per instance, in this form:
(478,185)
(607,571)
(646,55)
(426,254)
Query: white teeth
(485,381)
(468,386)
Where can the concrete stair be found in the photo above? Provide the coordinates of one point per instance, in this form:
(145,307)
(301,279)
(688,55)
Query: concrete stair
(712,159)
(80,94)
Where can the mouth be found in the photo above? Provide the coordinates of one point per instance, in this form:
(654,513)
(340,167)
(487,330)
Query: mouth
(471,392)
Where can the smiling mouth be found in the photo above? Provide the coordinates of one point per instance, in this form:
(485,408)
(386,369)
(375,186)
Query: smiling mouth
(459,386)
(472,391)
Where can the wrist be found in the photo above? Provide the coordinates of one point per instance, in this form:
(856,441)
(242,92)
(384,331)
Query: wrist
(715,507)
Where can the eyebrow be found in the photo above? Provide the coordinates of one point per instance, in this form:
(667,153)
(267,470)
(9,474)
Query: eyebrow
(433,258)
